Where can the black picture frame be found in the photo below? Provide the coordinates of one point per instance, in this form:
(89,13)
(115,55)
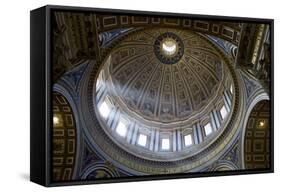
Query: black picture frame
(41,97)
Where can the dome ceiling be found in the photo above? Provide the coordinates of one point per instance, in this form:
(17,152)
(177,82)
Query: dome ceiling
(162,96)
(160,87)
(161,91)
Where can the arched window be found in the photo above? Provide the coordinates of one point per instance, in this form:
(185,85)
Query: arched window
(188,140)
(223,112)
(208,129)
(142,140)
(165,144)
(105,108)
(122,127)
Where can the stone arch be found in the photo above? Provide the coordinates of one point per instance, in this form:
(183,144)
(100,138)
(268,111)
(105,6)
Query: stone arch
(64,140)
(256,138)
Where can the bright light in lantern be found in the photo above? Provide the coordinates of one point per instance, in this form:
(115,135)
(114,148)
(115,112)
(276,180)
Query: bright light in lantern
(169,47)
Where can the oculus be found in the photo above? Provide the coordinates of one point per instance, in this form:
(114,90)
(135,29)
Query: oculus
(168,48)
